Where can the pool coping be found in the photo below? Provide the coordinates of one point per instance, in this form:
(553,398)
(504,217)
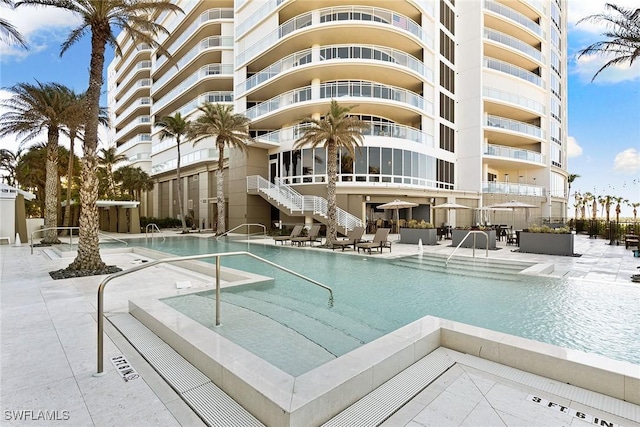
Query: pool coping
(277,398)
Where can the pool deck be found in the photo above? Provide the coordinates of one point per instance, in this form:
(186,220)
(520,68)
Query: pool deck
(48,350)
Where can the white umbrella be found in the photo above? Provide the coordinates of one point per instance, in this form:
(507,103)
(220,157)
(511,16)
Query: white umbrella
(397,205)
(513,205)
(448,206)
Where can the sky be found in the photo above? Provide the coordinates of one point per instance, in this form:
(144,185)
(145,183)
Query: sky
(604,115)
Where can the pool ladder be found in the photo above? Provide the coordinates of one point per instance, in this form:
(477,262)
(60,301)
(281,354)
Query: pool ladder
(154,227)
(474,232)
(217,256)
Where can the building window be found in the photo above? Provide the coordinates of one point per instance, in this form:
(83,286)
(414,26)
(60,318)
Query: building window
(447,138)
(447,108)
(447,78)
(447,17)
(447,47)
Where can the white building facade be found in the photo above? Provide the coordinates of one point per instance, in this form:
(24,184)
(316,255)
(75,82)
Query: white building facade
(465,101)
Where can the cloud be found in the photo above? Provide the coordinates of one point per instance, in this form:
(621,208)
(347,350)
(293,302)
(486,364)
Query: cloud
(627,161)
(41,27)
(573,148)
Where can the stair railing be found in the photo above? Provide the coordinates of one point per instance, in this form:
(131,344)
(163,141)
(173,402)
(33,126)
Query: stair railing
(474,232)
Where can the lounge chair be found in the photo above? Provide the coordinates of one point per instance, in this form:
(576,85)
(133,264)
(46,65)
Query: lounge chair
(311,237)
(297,230)
(354,236)
(379,241)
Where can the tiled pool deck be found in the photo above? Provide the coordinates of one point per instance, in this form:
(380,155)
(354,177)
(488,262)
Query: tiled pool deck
(48,352)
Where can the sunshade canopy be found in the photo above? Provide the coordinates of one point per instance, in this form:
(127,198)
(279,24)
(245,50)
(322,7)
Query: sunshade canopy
(397,204)
(449,205)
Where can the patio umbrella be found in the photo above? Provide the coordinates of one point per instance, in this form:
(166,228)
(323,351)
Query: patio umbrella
(397,205)
(513,205)
(448,206)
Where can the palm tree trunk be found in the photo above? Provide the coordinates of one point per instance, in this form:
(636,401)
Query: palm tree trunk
(332,171)
(67,208)
(222,226)
(180,201)
(51,188)
(88,257)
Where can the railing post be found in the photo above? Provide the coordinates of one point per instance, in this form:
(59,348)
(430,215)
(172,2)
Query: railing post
(218,291)
(100,332)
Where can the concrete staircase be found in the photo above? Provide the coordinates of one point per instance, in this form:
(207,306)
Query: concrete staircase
(288,200)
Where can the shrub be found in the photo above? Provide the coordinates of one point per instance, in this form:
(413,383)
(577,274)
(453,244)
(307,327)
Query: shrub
(546,229)
(414,223)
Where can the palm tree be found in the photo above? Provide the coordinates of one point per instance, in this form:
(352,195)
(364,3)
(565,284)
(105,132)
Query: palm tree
(8,162)
(31,174)
(623,36)
(102,19)
(133,180)
(607,204)
(337,130)
(176,127)
(229,130)
(8,33)
(33,109)
(107,159)
(635,210)
(570,178)
(618,201)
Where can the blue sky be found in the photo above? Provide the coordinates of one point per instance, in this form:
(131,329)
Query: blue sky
(604,115)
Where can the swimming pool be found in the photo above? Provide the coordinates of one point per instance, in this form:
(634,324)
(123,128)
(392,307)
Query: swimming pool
(288,323)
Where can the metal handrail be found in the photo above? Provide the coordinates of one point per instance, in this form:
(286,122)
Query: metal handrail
(153,226)
(70,235)
(474,232)
(242,225)
(217,256)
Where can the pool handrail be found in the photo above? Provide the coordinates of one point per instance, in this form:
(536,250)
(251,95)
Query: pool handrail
(217,256)
(242,225)
(474,232)
(153,226)
(70,235)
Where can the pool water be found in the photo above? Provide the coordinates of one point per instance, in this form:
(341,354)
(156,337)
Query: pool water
(289,323)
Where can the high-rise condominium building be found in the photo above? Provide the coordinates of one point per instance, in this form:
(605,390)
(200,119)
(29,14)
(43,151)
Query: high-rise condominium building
(465,101)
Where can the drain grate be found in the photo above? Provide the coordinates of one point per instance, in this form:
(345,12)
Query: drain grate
(211,404)
(382,402)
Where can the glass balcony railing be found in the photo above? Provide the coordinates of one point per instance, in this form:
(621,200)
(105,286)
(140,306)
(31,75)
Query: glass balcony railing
(176,19)
(206,71)
(256,17)
(513,188)
(356,89)
(213,97)
(142,83)
(514,70)
(337,52)
(333,14)
(139,157)
(196,156)
(140,102)
(142,65)
(507,12)
(514,126)
(206,44)
(206,16)
(513,153)
(142,120)
(138,139)
(392,130)
(512,42)
(513,98)
(537,4)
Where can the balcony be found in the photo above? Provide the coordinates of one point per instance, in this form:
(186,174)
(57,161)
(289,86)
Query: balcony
(206,71)
(176,20)
(514,126)
(495,187)
(513,15)
(206,16)
(142,48)
(337,52)
(514,70)
(140,66)
(513,98)
(207,154)
(356,89)
(206,44)
(213,97)
(138,139)
(140,121)
(513,153)
(513,43)
(140,84)
(138,103)
(333,14)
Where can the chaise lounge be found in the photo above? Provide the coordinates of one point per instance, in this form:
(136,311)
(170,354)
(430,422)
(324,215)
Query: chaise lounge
(297,230)
(354,236)
(311,237)
(379,241)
